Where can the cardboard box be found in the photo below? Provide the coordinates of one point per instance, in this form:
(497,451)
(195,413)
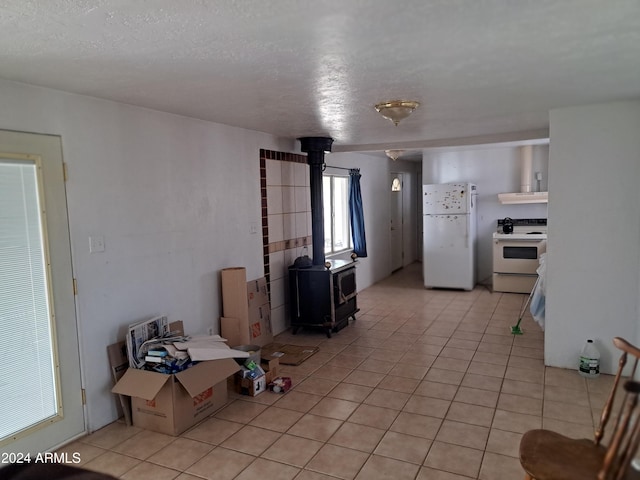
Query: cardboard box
(249,386)
(235,331)
(288,354)
(260,325)
(239,332)
(257,292)
(270,367)
(246,310)
(119,363)
(234,293)
(172,403)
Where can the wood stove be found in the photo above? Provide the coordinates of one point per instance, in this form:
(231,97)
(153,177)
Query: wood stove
(321,295)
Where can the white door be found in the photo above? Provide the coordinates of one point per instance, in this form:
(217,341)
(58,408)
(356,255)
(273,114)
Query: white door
(41,389)
(396,222)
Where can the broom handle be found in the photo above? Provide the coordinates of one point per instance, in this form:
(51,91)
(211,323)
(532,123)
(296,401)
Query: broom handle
(529,298)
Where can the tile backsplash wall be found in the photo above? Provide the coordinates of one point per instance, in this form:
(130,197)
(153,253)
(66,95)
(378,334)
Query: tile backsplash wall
(286,223)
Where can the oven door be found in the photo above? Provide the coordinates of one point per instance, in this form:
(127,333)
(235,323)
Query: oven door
(344,283)
(517,256)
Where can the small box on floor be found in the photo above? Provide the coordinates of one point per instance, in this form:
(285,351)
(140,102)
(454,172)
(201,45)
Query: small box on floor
(270,368)
(250,381)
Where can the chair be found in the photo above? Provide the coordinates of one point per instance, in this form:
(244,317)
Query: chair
(547,455)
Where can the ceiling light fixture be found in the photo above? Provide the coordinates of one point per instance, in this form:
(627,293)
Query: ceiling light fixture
(397,110)
(394,154)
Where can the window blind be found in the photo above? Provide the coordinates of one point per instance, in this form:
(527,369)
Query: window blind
(27,382)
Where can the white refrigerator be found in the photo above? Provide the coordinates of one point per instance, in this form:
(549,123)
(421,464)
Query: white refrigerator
(449,231)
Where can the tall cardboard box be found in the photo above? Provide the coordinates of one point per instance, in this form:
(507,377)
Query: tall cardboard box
(173,403)
(234,293)
(259,313)
(246,318)
(260,325)
(257,293)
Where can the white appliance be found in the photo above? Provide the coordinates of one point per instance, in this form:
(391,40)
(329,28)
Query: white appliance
(449,221)
(516,255)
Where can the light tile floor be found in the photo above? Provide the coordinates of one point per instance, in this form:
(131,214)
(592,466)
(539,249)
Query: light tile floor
(425,384)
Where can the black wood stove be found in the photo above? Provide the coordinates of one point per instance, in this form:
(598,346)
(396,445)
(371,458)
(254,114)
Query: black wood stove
(321,295)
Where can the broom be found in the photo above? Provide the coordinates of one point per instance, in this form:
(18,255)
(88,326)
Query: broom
(516,330)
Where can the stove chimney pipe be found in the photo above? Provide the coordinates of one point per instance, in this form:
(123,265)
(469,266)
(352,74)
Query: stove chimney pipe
(315,147)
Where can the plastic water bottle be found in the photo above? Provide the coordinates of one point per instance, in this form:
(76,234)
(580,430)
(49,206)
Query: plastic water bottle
(589,361)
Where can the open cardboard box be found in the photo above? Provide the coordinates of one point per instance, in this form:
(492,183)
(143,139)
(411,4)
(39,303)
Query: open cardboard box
(172,403)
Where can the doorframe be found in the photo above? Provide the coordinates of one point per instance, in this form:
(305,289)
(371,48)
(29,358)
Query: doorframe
(31,144)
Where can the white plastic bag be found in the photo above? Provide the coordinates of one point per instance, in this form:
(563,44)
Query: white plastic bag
(537,306)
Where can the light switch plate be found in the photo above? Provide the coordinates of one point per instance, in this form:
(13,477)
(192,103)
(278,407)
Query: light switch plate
(96,244)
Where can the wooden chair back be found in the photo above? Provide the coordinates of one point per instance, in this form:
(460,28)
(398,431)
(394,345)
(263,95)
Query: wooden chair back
(627,349)
(626,436)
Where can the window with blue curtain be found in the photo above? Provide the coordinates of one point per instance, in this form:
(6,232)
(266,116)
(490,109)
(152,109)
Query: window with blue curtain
(356,214)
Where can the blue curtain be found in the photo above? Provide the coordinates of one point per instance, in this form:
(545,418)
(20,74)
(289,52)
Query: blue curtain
(356,214)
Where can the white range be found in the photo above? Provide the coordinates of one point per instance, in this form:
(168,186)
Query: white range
(516,255)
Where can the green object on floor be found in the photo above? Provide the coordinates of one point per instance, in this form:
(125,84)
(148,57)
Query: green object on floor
(516,330)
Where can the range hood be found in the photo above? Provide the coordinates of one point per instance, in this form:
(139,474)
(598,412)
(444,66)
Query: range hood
(525,195)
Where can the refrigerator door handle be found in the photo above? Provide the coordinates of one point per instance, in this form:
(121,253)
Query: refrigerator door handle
(467,233)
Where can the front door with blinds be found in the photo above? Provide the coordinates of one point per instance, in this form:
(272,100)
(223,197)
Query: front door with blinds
(40,386)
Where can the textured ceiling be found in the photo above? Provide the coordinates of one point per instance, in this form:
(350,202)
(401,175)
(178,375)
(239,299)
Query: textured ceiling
(301,67)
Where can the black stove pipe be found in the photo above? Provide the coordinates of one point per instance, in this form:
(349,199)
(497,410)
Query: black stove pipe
(315,147)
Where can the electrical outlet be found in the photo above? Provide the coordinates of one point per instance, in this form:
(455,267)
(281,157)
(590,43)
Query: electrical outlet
(210,331)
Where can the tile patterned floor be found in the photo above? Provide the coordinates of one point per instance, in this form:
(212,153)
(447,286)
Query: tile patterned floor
(425,384)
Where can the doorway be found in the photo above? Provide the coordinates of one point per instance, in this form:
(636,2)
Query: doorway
(396,221)
(42,390)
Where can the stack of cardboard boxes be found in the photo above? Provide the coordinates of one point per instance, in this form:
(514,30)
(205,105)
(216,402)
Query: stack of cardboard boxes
(246,320)
(173,403)
(246,310)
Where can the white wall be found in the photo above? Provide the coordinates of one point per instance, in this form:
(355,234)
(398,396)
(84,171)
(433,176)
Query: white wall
(494,169)
(175,199)
(594,231)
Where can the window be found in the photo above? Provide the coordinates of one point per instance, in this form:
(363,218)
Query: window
(337,232)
